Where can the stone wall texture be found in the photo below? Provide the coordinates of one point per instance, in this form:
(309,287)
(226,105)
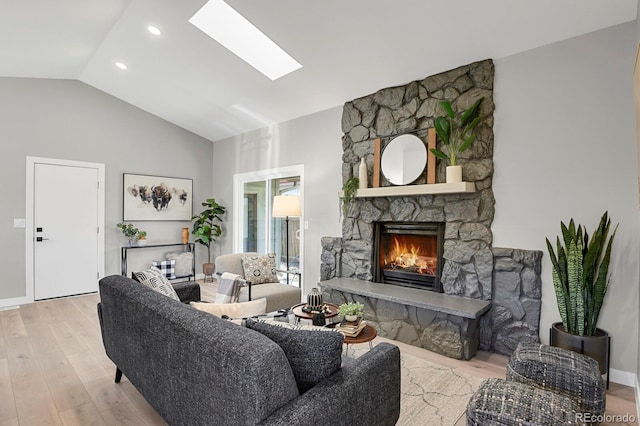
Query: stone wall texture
(517,299)
(468,256)
(468,260)
(449,335)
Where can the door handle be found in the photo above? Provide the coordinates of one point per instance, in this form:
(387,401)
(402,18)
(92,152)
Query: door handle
(39,239)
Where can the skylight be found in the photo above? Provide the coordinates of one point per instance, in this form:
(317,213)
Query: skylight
(225,25)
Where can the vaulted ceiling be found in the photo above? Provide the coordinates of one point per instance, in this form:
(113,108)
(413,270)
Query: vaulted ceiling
(347,48)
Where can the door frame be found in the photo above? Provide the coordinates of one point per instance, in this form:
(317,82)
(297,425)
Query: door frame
(30,212)
(280,172)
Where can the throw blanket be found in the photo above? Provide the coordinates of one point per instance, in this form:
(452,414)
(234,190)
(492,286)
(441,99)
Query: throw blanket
(229,288)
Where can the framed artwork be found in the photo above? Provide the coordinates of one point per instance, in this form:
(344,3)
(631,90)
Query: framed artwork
(147,197)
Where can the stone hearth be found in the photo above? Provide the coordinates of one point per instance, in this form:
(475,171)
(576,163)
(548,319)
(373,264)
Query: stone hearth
(508,278)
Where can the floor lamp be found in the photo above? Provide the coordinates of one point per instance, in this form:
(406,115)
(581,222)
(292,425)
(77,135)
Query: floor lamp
(286,206)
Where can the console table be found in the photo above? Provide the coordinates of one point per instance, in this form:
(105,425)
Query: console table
(189,247)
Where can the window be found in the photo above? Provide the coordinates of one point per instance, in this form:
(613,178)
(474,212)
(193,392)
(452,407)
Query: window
(256,230)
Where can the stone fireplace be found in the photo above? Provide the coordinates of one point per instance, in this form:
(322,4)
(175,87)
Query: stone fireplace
(467,266)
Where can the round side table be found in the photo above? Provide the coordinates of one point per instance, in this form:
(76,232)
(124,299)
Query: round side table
(300,314)
(367,334)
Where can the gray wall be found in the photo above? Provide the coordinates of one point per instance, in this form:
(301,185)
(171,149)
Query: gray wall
(314,141)
(70,120)
(564,147)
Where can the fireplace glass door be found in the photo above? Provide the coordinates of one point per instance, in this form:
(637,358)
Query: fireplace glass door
(409,254)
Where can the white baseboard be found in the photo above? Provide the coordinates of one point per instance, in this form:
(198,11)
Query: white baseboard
(14,302)
(9,308)
(623,378)
(637,398)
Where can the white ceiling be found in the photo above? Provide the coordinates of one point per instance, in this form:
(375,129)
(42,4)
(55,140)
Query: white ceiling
(348,49)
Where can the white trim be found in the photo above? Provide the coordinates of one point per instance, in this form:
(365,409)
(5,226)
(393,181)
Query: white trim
(622,377)
(280,172)
(637,386)
(29,213)
(14,302)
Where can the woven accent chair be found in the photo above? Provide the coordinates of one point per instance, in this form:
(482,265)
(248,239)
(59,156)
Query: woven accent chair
(500,402)
(559,370)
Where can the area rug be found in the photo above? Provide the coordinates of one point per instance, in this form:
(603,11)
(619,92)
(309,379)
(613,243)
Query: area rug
(431,394)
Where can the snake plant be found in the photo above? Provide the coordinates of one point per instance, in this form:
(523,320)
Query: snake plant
(580,274)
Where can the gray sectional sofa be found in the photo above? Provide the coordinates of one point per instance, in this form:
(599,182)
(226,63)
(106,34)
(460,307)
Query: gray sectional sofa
(197,369)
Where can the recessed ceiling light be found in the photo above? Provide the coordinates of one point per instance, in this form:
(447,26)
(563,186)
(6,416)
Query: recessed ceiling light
(154,30)
(225,25)
(121,65)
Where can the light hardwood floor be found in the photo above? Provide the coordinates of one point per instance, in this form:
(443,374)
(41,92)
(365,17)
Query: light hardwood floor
(54,371)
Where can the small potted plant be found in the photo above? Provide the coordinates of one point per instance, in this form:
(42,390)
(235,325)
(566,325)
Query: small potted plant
(142,238)
(129,231)
(456,132)
(206,228)
(351,311)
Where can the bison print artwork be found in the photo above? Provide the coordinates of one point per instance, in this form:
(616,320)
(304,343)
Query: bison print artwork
(156,198)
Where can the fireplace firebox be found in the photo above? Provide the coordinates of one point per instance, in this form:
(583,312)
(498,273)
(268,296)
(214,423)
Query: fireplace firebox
(409,254)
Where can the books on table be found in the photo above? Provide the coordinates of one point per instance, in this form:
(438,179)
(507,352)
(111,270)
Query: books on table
(351,328)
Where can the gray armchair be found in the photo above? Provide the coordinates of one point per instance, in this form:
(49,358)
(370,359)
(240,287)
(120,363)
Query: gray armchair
(278,295)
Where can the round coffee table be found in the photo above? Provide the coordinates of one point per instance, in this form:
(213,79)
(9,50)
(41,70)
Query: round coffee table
(300,314)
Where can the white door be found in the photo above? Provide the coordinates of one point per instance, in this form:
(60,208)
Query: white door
(65,230)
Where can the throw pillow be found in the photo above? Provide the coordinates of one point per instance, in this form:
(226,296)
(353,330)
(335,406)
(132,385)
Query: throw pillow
(155,280)
(234,310)
(167,267)
(313,355)
(184,263)
(260,269)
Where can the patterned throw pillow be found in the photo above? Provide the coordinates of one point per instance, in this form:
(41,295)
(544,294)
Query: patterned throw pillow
(155,280)
(260,269)
(313,355)
(167,267)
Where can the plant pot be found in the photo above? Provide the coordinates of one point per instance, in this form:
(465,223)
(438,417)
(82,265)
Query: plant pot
(208,268)
(351,317)
(454,174)
(596,347)
(142,243)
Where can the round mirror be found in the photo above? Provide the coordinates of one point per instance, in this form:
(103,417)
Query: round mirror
(404,159)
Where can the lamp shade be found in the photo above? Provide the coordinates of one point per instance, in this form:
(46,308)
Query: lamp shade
(286,206)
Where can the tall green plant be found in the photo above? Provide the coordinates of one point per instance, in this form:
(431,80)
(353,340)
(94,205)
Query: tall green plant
(580,274)
(455,130)
(205,226)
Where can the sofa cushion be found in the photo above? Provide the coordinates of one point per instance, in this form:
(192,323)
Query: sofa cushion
(279,296)
(313,355)
(233,310)
(156,280)
(260,268)
(167,267)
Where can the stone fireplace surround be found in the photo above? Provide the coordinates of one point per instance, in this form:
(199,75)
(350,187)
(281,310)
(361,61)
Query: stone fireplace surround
(507,278)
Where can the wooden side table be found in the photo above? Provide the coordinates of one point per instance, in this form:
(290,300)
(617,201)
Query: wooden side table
(367,334)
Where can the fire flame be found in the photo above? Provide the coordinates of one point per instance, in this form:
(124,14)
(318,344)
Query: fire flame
(404,256)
